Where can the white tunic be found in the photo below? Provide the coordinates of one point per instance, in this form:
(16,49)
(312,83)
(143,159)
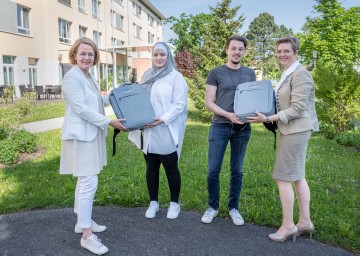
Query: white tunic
(169,100)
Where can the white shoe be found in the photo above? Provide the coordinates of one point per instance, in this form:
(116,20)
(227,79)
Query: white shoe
(236,217)
(94,228)
(94,245)
(173,211)
(151,211)
(209,215)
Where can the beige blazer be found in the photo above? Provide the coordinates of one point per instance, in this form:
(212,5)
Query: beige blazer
(83,115)
(295,102)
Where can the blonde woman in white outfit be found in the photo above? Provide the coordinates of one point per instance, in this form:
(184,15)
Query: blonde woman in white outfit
(163,138)
(83,153)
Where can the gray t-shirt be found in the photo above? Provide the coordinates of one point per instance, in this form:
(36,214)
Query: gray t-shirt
(226,80)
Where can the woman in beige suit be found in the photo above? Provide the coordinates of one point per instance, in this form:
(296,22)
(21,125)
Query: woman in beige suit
(83,153)
(296,117)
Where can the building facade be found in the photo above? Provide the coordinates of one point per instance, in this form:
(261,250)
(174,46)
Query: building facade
(36,35)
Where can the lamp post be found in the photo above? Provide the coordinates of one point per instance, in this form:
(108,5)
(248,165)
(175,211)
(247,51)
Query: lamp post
(315,53)
(60,56)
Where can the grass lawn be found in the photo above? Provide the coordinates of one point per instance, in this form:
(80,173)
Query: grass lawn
(332,173)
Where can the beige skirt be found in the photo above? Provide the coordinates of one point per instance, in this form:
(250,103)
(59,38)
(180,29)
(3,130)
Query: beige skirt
(82,158)
(291,156)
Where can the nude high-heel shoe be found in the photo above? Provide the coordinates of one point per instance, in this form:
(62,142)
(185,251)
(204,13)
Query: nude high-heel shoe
(307,228)
(281,238)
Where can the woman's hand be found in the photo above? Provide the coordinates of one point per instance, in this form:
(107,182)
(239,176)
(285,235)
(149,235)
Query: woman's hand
(259,118)
(116,123)
(156,122)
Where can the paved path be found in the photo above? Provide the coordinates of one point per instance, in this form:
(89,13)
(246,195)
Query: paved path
(54,123)
(51,232)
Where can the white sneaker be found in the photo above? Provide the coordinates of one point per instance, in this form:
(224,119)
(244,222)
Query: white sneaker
(209,215)
(94,245)
(94,228)
(151,211)
(173,211)
(236,217)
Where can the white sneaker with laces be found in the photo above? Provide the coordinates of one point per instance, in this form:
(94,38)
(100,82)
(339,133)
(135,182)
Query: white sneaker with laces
(236,217)
(94,228)
(209,215)
(173,211)
(94,245)
(151,211)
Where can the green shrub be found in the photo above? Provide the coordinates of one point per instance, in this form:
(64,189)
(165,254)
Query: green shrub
(349,138)
(4,131)
(8,152)
(328,130)
(25,141)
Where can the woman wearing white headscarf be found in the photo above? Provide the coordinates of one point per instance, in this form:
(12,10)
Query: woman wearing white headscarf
(162,139)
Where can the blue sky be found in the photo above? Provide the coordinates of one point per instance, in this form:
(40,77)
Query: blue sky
(291,13)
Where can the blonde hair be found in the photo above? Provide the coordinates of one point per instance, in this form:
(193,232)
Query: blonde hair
(295,43)
(75,46)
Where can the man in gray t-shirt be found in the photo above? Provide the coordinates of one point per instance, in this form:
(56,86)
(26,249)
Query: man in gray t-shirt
(220,91)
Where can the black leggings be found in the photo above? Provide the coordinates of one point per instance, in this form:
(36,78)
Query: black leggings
(170,163)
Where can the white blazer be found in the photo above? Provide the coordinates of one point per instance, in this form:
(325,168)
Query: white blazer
(83,116)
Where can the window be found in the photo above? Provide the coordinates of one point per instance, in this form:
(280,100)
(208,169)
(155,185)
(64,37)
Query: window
(151,38)
(64,31)
(8,69)
(120,2)
(82,31)
(95,9)
(23,20)
(65,2)
(116,42)
(81,6)
(137,31)
(117,21)
(96,38)
(151,20)
(136,10)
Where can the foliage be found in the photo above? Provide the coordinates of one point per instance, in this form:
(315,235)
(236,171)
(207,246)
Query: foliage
(190,31)
(8,151)
(338,94)
(334,34)
(349,138)
(8,94)
(197,94)
(45,110)
(25,141)
(186,63)
(263,33)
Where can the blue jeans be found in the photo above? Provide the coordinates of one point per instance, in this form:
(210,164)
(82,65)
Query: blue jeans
(219,136)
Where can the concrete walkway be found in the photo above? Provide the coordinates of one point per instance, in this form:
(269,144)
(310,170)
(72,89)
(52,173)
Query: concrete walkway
(54,123)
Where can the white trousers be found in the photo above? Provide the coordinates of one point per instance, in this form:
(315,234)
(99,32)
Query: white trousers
(84,197)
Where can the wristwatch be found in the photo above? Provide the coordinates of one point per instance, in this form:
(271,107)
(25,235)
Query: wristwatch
(267,120)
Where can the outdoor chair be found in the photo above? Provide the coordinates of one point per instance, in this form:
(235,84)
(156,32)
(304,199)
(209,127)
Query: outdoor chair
(22,90)
(40,92)
(54,90)
(2,94)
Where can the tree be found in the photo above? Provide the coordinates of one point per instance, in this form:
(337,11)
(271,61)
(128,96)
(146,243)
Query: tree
(338,94)
(190,31)
(334,34)
(263,33)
